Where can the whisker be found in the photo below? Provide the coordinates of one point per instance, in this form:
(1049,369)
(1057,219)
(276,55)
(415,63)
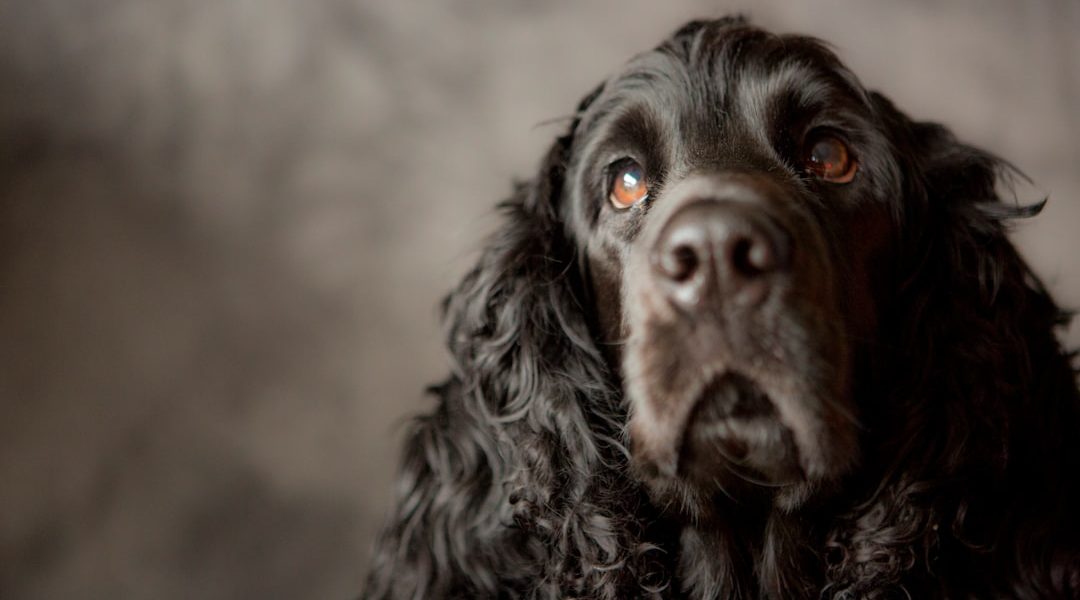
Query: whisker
(555,121)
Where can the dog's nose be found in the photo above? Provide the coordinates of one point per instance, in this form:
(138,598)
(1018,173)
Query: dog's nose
(725,248)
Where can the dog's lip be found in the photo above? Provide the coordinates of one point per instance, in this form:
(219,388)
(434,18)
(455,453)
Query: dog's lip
(735,422)
(731,395)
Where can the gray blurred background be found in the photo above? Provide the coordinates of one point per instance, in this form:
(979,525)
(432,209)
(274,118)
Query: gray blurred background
(225,226)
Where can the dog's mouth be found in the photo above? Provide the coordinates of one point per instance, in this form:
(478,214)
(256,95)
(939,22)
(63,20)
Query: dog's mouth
(734,427)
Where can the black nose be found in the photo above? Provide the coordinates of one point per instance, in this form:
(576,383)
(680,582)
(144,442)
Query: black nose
(725,248)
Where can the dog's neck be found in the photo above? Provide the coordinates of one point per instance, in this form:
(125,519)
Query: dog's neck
(756,557)
(750,554)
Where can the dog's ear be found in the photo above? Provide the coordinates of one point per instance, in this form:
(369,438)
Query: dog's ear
(974,299)
(979,387)
(527,273)
(983,309)
(958,203)
(513,483)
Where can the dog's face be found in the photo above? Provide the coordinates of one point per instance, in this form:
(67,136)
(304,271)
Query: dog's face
(736,194)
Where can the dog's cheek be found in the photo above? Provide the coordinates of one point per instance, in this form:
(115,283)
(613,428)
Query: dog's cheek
(653,385)
(870,269)
(605,269)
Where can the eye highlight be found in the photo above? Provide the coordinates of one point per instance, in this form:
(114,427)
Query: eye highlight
(627,184)
(828,157)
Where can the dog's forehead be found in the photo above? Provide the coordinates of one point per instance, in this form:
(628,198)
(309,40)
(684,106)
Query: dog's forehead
(717,98)
(724,73)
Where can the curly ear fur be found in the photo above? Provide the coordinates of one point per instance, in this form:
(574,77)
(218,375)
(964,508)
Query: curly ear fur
(515,486)
(985,399)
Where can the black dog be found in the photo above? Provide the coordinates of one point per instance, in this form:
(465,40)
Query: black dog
(749,333)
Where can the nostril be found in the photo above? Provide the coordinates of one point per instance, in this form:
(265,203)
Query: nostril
(680,263)
(752,257)
(760,252)
(686,258)
(742,259)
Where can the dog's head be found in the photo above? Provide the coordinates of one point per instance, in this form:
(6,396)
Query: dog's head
(741,205)
(785,294)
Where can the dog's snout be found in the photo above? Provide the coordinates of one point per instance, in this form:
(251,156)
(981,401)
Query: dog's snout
(725,248)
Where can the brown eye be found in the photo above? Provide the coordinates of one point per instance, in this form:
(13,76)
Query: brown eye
(628,184)
(829,158)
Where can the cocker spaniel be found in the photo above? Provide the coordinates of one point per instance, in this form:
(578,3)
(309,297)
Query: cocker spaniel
(750,332)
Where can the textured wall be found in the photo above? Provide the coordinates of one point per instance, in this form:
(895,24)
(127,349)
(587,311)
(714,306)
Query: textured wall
(225,226)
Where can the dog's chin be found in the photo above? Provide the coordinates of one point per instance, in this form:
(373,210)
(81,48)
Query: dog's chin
(732,446)
(735,435)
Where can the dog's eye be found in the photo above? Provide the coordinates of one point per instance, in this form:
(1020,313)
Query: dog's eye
(830,159)
(627,184)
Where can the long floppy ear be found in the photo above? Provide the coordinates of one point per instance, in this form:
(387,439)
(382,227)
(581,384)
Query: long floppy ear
(514,486)
(974,306)
(984,399)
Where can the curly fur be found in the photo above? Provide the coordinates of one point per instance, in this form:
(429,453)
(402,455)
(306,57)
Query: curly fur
(516,485)
(519,484)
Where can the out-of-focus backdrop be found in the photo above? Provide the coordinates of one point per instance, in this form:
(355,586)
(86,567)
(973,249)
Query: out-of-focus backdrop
(225,226)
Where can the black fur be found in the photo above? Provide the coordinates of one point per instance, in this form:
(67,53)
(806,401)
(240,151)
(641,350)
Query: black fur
(964,478)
